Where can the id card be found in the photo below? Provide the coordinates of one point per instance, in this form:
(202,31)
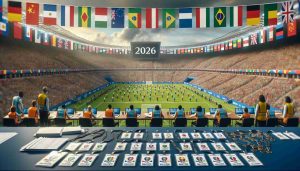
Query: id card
(72,146)
(292,135)
(129,159)
(88,160)
(110,160)
(218,146)
(126,135)
(196,135)
(203,146)
(69,160)
(147,159)
(120,146)
(164,146)
(233,160)
(216,160)
(138,135)
(51,159)
(251,159)
(168,135)
(85,147)
(280,136)
(151,146)
(233,146)
(186,147)
(156,136)
(182,160)
(199,160)
(207,135)
(184,136)
(164,160)
(99,147)
(219,135)
(136,146)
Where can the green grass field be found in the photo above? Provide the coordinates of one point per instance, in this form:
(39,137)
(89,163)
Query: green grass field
(147,96)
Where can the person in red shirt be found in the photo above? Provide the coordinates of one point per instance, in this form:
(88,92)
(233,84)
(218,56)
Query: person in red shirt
(13,115)
(245,115)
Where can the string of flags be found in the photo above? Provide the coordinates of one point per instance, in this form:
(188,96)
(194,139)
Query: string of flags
(202,17)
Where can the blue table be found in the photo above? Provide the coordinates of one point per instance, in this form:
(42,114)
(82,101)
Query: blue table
(285,154)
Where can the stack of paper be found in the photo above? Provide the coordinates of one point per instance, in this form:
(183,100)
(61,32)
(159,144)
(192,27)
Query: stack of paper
(49,132)
(44,144)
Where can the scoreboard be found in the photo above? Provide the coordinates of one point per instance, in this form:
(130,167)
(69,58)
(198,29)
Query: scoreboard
(145,49)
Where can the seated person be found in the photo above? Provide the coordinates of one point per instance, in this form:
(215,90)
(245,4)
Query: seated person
(157,112)
(13,115)
(180,113)
(32,112)
(198,113)
(220,113)
(62,112)
(131,112)
(288,110)
(109,113)
(89,114)
(245,115)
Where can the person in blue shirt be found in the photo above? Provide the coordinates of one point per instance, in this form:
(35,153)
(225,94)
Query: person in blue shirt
(157,112)
(17,102)
(180,113)
(62,112)
(220,113)
(198,113)
(131,112)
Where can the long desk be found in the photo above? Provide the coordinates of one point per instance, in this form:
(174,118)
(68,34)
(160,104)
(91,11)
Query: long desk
(285,153)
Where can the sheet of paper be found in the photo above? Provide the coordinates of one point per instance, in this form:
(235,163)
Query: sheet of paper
(280,135)
(4,136)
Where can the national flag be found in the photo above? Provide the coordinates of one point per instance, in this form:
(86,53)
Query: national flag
(152,18)
(53,40)
(28,33)
(234,44)
(50,14)
(219,47)
(202,17)
(220,17)
(101,17)
(262,36)
(253,15)
(17,30)
(239,43)
(134,18)
(32,13)
(222,47)
(292,29)
(279,31)
(236,16)
(253,39)
(4,28)
(46,40)
(168,18)
(1,10)
(226,46)
(230,44)
(117,18)
(14,11)
(185,18)
(84,16)
(67,16)
(60,43)
(67,44)
(271,34)
(287,12)
(246,41)
(38,36)
(270,14)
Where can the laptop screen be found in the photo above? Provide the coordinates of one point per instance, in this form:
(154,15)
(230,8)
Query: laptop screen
(239,111)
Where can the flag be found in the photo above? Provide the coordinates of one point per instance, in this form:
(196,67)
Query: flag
(292,29)
(53,40)
(17,30)
(37,37)
(239,43)
(134,18)
(202,17)
(60,43)
(100,17)
(234,43)
(46,41)
(185,18)
(4,28)
(220,17)
(84,16)
(271,34)
(14,11)
(152,18)
(287,12)
(230,44)
(253,39)
(222,47)
(67,16)
(32,13)
(253,15)
(168,18)
(117,18)
(28,33)
(236,16)
(1,10)
(246,41)
(270,14)
(262,36)
(279,31)
(49,14)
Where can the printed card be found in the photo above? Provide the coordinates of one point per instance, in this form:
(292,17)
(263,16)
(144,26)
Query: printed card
(138,135)
(233,160)
(216,160)
(292,135)
(147,159)
(126,135)
(99,147)
(85,147)
(203,146)
(196,135)
(120,146)
(88,160)
(251,159)
(182,160)
(168,135)
(69,160)
(110,160)
(164,160)
(156,136)
(218,146)
(72,146)
(208,135)
(164,146)
(51,159)
(199,160)
(233,146)
(184,135)
(280,136)
(136,146)
(186,147)
(130,159)
(219,135)
(151,146)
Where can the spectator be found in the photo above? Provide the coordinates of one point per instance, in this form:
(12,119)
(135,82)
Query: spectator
(33,112)
(43,106)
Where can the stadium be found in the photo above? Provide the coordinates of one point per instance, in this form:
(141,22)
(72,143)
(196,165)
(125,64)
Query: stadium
(195,65)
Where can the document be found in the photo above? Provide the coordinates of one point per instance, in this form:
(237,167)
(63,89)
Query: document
(4,136)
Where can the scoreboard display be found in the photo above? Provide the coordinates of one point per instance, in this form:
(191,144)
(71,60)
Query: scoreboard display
(145,49)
